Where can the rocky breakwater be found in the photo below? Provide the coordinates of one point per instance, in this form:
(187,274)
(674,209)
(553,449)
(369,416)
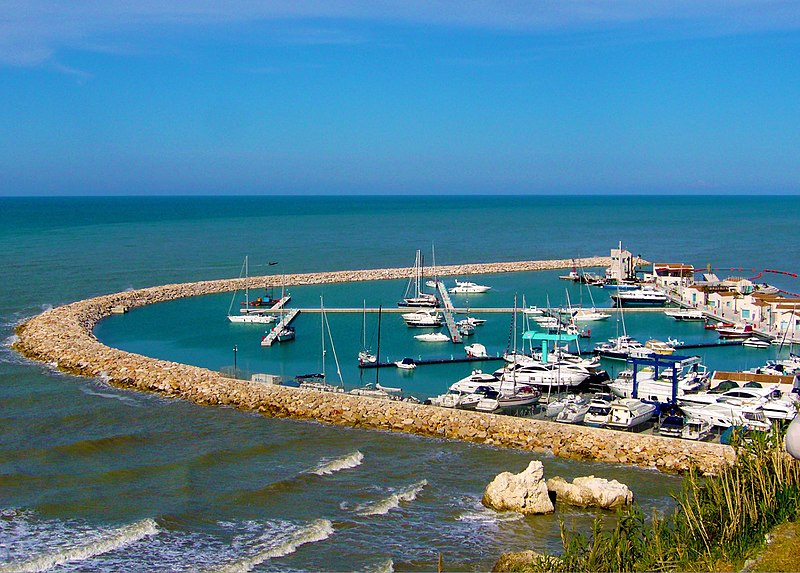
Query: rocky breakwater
(63,337)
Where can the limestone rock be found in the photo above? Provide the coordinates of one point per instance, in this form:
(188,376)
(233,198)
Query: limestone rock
(526,561)
(524,492)
(591,492)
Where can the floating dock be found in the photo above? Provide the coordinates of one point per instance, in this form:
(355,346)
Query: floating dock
(272,335)
(455,335)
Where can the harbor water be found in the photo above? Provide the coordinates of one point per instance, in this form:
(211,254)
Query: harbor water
(93,478)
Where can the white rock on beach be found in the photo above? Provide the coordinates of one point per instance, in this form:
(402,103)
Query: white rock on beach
(524,492)
(591,492)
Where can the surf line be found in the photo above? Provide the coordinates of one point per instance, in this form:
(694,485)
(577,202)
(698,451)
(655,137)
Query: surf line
(105,543)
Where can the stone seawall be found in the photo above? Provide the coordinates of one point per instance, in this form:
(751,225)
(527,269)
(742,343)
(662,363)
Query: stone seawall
(63,337)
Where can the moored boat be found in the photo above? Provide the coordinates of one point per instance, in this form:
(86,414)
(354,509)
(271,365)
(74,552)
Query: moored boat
(627,413)
(422,319)
(414,295)
(735,331)
(432,337)
(599,410)
(644,296)
(406,364)
(465,287)
(685,314)
(476,350)
(755,342)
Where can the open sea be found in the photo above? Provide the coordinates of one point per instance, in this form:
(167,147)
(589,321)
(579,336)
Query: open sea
(93,478)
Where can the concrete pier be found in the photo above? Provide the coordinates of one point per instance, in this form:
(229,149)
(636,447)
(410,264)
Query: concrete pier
(63,337)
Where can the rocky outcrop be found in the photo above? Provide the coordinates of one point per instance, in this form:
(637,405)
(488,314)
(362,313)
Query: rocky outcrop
(525,492)
(526,561)
(63,337)
(591,492)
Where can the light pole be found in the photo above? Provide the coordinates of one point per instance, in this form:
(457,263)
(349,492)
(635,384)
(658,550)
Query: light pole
(235,350)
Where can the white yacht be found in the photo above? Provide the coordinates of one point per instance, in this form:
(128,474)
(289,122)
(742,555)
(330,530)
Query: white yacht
(557,402)
(544,374)
(422,319)
(599,410)
(489,403)
(685,314)
(433,337)
(644,296)
(377,391)
(463,287)
(476,350)
(460,399)
(573,413)
(724,415)
(406,364)
(589,315)
(533,311)
(629,413)
(470,384)
(755,342)
(676,424)
(622,348)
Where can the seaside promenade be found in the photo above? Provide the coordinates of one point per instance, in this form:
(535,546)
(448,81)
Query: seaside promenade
(63,337)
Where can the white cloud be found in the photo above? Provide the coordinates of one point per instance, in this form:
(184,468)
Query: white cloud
(33,31)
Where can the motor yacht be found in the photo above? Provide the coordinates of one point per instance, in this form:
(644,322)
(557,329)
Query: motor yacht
(627,413)
(464,287)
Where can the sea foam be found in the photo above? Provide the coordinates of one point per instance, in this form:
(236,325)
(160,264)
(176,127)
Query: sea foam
(336,465)
(384,506)
(104,542)
(275,547)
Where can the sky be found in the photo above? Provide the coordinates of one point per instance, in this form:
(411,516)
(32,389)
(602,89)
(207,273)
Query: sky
(181,97)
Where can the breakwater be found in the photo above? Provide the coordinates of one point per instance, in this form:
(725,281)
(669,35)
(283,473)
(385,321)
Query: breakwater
(63,337)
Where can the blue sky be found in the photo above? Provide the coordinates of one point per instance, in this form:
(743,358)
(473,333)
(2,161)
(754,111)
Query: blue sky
(246,96)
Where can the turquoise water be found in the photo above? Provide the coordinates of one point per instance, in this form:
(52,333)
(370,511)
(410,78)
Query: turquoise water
(100,479)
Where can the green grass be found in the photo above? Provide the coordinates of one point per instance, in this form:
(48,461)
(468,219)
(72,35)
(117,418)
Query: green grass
(717,524)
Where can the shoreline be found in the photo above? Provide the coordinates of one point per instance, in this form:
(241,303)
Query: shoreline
(64,336)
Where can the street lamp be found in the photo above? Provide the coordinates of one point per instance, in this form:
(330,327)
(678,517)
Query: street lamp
(235,350)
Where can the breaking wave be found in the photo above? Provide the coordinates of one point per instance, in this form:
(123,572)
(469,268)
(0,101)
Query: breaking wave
(484,515)
(384,506)
(104,542)
(278,546)
(336,465)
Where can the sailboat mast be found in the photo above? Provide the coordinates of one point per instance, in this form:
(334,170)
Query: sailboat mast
(322,335)
(246,285)
(378,352)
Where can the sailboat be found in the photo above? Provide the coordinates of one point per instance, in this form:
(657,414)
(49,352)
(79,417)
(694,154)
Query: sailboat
(248,315)
(370,390)
(414,296)
(320,381)
(365,356)
(622,347)
(516,397)
(587,315)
